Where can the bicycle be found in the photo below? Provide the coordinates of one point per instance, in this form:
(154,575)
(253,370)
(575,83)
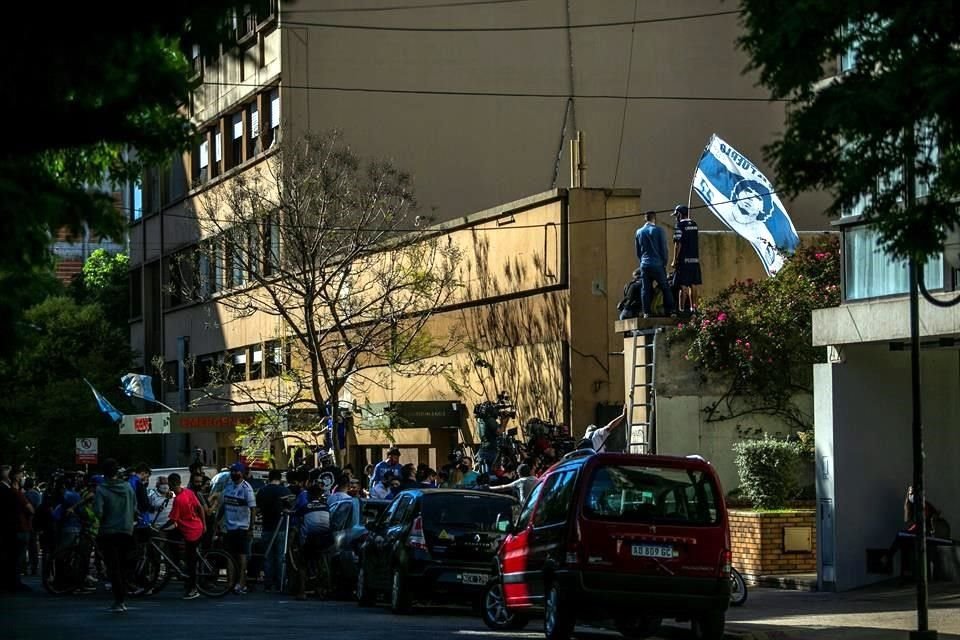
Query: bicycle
(216,572)
(314,571)
(67,570)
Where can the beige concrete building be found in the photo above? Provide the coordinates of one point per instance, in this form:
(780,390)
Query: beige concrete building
(479,103)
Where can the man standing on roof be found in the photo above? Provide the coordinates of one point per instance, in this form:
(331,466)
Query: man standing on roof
(686,258)
(651,245)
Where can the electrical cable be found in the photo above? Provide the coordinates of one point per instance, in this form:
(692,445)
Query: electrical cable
(552,27)
(626,92)
(437,5)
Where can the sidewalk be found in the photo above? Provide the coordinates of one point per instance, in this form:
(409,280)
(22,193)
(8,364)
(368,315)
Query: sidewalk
(874,613)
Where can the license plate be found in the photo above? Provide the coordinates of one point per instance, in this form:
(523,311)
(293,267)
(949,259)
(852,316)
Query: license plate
(652,551)
(475,578)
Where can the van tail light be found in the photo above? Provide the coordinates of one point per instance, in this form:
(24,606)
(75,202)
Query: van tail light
(726,561)
(416,539)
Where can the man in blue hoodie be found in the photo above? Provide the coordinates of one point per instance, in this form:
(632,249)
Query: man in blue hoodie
(651,245)
(115,506)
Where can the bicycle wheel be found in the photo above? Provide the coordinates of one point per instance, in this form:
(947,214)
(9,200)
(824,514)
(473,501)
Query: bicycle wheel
(63,572)
(149,575)
(216,573)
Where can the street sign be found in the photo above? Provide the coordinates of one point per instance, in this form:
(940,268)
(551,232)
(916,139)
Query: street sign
(87,449)
(144,423)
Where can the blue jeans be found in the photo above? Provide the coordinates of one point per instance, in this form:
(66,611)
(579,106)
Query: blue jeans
(657,274)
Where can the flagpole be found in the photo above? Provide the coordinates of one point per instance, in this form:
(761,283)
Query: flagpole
(693,178)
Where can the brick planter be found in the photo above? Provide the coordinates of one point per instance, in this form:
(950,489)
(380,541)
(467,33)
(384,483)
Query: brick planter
(766,544)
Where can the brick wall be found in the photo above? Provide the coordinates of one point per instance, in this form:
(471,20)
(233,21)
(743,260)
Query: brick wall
(757,540)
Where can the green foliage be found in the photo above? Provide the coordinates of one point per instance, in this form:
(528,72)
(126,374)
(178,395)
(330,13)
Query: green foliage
(99,85)
(758,334)
(105,281)
(851,136)
(46,404)
(767,470)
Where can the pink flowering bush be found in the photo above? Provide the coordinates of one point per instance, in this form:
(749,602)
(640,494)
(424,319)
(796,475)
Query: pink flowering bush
(758,334)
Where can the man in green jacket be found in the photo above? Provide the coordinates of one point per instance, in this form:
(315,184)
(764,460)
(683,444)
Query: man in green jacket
(115,506)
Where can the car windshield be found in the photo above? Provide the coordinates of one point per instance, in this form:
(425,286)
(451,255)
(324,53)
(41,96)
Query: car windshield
(476,513)
(648,494)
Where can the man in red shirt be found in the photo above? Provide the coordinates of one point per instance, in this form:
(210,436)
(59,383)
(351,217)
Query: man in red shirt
(188,516)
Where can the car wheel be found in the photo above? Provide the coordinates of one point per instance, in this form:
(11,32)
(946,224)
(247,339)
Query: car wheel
(399,595)
(558,618)
(738,589)
(709,626)
(493,610)
(638,628)
(364,595)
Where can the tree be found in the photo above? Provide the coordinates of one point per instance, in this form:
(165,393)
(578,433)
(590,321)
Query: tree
(104,280)
(328,245)
(853,134)
(91,85)
(46,403)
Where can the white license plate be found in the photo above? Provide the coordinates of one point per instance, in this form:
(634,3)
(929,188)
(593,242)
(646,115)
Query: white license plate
(652,551)
(475,578)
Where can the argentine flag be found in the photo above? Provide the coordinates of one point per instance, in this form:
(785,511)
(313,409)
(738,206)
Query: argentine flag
(104,404)
(741,196)
(138,386)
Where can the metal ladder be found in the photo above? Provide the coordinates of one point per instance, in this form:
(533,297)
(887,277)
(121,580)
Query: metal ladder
(639,435)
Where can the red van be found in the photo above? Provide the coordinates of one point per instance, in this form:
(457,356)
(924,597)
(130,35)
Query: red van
(616,538)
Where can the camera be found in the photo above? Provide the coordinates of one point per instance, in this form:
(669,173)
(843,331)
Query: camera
(502,408)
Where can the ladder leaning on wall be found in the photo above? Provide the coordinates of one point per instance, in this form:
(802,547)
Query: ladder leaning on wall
(641,394)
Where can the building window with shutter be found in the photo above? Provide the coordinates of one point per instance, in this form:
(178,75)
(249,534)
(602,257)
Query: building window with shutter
(254,117)
(216,166)
(236,146)
(274,133)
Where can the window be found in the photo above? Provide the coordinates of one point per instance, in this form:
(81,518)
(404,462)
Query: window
(216,264)
(558,495)
(171,376)
(205,271)
(136,293)
(253,249)
(203,371)
(136,199)
(201,164)
(271,245)
(869,272)
(399,510)
(176,280)
(236,267)
(254,118)
(196,61)
(236,145)
(256,362)
(236,365)
(472,513)
(274,132)
(278,358)
(215,166)
(524,519)
(620,493)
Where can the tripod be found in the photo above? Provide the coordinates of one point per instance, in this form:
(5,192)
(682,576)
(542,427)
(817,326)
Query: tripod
(287,555)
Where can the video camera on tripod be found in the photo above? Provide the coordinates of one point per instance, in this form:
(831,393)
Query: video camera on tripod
(502,409)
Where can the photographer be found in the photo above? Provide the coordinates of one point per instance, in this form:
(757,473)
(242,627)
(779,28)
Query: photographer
(492,418)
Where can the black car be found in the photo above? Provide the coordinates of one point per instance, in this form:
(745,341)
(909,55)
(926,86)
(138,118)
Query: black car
(349,520)
(432,543)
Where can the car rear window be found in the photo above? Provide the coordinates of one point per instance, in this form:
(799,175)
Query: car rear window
(472,512)
(635,493)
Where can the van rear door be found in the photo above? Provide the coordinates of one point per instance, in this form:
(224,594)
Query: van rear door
(652,519)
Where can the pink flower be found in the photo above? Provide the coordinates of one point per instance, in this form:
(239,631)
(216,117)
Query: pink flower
(746,344)
(721,317)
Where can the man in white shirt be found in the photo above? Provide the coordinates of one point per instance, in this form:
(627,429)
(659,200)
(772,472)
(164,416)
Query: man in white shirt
(522,486)
(598,436)
(239,509)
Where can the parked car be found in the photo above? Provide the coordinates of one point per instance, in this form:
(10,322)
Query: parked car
(627,539)
(350,520)
(432,544)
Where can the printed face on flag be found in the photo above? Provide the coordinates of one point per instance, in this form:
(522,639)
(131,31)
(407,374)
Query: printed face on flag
(738,193)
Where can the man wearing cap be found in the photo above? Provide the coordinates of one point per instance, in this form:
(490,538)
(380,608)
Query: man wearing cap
(239,509)
(686,257)
(651,245)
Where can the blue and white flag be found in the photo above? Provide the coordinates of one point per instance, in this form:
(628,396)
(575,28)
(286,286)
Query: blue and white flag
(138,386)
(742,197)
(104,404)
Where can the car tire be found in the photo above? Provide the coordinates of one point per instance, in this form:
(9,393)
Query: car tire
(738,589)
(558,617)
(493,610)
(400,601)
(709,626)
(365,597)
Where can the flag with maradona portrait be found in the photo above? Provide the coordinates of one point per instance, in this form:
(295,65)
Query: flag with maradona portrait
(738,193)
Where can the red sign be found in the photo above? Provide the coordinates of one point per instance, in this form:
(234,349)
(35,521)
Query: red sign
(143,424)
(222,422)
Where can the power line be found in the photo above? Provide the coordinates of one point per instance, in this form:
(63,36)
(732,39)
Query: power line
(626,92)
(552,27)
(405,7)
(430,230)
(497,94)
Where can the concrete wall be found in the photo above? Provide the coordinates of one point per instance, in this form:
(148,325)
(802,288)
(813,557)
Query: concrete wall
(470,152)
(864,451)
(681,422)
